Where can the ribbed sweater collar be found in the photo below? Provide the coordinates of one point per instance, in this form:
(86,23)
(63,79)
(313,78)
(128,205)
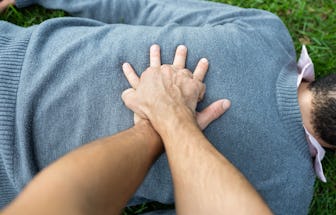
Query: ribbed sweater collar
(288,107)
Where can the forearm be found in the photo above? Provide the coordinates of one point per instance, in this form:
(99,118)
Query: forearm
(205,182)
(98,178)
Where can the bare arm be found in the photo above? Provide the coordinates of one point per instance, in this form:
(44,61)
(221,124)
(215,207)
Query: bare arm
(98,178)
(205,181)
(5,3)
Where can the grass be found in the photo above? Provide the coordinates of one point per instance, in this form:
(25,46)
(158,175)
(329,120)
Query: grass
(310,22)
(29,16)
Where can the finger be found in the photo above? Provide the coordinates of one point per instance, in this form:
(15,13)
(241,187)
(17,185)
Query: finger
(201,69)
(130,100)
(185,72)
(154,56)
(180,57)
(212,112)
(131,75)
(202,93)
(127,96)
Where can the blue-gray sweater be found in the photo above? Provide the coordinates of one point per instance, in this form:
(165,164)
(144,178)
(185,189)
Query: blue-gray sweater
(61,81)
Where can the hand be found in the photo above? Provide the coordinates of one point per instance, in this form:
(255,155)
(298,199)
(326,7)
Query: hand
(155,64)
(167,87)
(5,3)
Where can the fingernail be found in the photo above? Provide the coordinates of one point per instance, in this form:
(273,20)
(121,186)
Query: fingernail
(125,65)
(155,47)
(226,103)
(182,47)
(204,60)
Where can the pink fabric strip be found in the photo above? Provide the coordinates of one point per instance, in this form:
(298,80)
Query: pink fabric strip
(306,72)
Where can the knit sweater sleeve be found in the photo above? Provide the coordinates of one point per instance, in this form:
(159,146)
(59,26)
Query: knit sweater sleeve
(149,12)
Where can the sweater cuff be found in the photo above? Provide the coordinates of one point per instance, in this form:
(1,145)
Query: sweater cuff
(24,3)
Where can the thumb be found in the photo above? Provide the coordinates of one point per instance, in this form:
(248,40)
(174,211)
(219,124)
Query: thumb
(128,96)
(212,112)
(130,99)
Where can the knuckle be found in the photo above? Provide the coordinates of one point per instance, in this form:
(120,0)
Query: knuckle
(147,72)
(149,69)
(187,73)
(165,67)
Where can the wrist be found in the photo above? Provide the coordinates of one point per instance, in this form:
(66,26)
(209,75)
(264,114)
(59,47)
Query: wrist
(174,118)
(144,130)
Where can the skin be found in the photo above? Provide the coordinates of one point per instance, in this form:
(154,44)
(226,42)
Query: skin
(5,3)
(168,96)
(97,178)
(101,176)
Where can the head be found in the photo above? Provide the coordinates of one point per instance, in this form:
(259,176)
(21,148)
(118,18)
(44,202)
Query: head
(323,112)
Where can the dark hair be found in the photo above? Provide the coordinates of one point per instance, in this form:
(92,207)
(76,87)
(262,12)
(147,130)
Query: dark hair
(324,108)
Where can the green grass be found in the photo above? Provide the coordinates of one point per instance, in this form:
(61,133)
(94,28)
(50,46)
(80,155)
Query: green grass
(29,16)
(311,22)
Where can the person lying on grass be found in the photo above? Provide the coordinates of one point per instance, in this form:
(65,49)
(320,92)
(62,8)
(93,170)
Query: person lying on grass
(61,82)
(100,177)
